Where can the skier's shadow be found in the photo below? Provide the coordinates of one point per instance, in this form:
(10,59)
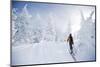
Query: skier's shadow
(73,56)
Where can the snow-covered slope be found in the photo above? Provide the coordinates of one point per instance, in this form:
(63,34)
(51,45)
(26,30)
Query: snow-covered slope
(44,52)
(51,52)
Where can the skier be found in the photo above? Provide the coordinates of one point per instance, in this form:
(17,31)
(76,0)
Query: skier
(70,40)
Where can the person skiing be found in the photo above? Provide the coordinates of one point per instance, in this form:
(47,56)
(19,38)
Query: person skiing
(70,41)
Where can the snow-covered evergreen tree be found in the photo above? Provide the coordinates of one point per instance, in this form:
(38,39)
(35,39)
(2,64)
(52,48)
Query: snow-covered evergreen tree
(87,30)
(21,25)
(14,29)
(49,29)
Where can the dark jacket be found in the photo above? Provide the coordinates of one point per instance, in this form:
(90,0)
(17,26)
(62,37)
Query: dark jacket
(70,39)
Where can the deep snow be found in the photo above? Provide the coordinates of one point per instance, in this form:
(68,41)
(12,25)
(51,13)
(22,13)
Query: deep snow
(50,52)
(44,52)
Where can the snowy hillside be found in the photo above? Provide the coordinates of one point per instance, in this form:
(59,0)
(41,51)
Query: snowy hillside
(39,32)
(47,52)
